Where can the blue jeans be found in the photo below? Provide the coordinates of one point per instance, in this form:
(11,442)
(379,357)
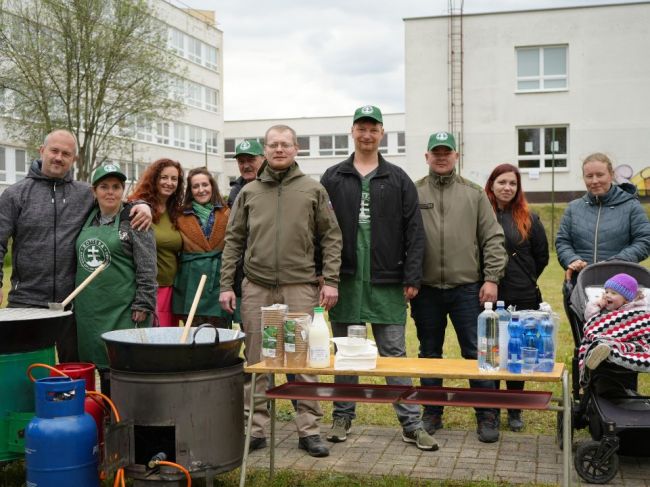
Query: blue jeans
(391,342)
(430,310)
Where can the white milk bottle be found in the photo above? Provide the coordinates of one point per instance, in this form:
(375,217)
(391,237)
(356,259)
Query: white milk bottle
(319,341)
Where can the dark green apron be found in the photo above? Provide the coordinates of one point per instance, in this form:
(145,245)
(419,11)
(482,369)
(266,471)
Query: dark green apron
(192,265)
(104,305)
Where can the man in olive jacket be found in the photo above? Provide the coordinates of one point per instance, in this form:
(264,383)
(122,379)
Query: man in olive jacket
(464,259)
(279,218)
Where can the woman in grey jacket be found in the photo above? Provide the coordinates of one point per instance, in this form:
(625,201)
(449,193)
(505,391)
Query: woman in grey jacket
(607,223)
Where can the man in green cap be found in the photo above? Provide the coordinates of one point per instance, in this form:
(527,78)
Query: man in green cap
(249,155)
(376,206)
(464,258)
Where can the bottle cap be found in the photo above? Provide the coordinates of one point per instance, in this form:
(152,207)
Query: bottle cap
(318,309)
(488,305)
(501,303)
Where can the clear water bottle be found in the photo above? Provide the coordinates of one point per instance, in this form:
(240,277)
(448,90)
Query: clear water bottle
(504,321)
(514,344)
(546,348)
(488,339)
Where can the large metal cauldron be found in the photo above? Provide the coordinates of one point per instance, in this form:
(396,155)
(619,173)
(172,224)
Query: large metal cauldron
(30,329)
(160,350)
(185,400)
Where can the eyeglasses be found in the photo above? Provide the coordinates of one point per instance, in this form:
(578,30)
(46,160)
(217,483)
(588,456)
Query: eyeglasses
(284,145)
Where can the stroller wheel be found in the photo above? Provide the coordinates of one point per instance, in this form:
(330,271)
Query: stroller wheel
(595,462)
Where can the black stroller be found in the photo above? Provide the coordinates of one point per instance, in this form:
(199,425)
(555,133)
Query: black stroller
(608,404)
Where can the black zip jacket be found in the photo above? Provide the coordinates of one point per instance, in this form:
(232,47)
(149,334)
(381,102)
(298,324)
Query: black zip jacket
(529,259)
(396,232)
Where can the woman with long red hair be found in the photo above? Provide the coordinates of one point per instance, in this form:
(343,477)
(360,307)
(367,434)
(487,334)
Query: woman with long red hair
(161,186)
(527,249)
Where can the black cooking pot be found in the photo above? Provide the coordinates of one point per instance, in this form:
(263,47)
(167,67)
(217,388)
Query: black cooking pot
(28,329)
(160,350)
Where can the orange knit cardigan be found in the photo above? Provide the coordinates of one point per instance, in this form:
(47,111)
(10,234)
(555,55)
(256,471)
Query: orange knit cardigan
(193,238)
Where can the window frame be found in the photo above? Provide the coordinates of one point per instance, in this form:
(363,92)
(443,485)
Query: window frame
(541,77)
(542,156)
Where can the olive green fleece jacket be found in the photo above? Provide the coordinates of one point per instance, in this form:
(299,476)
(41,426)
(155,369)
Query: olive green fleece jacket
(464,241)
(281,219)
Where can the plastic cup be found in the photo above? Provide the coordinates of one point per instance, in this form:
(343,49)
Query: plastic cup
(357,334)
(528,360)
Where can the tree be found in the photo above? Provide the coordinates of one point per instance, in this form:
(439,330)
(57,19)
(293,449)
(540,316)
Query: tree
(94,67)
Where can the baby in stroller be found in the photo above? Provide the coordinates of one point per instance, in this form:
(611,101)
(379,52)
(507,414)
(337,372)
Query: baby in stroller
(617,327)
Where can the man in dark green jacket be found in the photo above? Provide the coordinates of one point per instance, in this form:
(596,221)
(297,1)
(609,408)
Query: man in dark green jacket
(464,259)
(279,218)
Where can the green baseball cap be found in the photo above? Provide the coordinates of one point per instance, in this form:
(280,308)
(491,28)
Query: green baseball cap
(442,138)
(368,111)
(108,170)
(250,147)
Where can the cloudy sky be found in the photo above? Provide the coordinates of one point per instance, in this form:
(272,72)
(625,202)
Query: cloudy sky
(303,58)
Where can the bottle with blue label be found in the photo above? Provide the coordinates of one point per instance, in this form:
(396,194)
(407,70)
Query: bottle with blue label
(514,344)
(504,321)
(488,339)
(546,349)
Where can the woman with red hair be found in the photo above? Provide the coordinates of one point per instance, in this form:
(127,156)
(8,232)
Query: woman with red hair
(161,186)
(527,249)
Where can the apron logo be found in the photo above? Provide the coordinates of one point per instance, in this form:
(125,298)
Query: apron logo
(92,253)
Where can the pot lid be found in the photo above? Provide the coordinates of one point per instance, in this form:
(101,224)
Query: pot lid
(24,314)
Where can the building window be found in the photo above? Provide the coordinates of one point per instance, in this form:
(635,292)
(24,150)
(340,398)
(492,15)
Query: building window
(3,165)
(341,145)
(194,50)
(144,129)
(383,145)
(162,133)
(177,42)
(303,146)
(325,145)
(21,167)
(193,95)
(401,143)
(211,99)
(542,68)
(211,55)
(179,135)
(538,147)
(195,138)
(229,148)
(212,141)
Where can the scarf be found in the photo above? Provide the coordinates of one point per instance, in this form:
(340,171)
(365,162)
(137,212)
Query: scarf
(202,211)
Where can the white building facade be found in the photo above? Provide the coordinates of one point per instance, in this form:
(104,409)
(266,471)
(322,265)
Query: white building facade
(322,141)
(195,138)
(539,88)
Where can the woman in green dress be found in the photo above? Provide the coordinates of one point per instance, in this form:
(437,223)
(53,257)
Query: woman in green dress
(124,294)
(161,186)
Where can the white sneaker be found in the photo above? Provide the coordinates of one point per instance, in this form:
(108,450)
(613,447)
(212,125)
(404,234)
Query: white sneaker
(599,353)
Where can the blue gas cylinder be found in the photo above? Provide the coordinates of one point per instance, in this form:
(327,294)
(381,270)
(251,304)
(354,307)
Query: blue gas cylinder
(61,441)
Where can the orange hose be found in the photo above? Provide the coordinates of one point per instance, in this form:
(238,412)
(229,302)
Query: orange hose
(43,366)
(179,467)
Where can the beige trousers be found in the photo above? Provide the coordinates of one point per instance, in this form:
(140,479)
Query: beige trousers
(301,298)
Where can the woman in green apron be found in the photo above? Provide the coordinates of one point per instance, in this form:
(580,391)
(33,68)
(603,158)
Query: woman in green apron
(124,294)
(203,228)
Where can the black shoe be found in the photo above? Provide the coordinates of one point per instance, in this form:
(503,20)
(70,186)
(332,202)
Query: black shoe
(515,423)
(431,422)
(256,443)
(488,428)
(314,445)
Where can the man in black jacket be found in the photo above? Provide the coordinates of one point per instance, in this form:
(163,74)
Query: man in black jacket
(376,205)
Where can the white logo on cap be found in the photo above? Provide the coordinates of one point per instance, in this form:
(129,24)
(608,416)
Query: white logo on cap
(442,136)
(367,109)
(245,145)
(111,167)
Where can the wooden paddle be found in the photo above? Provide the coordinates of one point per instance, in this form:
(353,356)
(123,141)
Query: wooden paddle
(73,294)
(195,304)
